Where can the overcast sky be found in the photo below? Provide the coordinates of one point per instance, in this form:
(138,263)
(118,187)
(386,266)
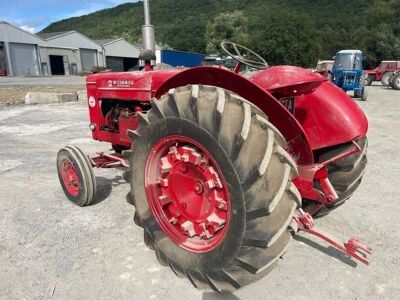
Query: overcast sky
(34,15)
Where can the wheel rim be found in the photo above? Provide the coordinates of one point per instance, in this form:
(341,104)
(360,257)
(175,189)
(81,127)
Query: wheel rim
(187,193)
(70,177)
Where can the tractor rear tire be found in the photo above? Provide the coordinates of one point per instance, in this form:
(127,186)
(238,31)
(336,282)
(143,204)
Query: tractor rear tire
(396,81)
(76,175)
(385,78)
(247,154)
(345,174)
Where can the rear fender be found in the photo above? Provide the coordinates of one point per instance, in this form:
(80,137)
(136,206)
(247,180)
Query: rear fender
(297,142)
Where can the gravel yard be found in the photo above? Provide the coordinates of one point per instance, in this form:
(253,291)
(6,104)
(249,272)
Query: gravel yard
(52,249)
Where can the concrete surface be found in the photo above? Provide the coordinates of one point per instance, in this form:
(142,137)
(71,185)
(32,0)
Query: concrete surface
(48,98)
(42,81)
(50,248)
(82,96)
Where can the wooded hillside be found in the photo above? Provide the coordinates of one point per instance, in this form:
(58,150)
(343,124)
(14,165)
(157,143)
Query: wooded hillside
(284,31)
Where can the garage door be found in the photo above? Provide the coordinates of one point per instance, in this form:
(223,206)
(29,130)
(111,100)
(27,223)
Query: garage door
(24,59)
(2,61)
(88,59)
(115,64)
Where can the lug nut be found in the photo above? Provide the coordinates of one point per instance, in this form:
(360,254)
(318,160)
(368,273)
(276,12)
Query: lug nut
(198,188)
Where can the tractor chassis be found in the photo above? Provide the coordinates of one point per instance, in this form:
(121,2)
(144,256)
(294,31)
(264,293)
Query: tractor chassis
(302,220)
(107,161)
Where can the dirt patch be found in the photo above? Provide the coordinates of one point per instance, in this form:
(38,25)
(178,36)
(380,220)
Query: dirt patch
(16,95)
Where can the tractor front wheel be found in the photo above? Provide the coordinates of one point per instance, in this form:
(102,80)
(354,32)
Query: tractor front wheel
(211,183)
(76,175)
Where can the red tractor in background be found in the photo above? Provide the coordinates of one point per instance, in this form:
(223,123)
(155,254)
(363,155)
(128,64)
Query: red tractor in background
(223,169)
(383,72)
(324,67)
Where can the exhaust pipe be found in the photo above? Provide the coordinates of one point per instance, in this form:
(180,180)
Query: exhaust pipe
(148,36)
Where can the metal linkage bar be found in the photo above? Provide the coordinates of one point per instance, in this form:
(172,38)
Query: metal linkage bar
(353,247)
(308,174)
(103,160)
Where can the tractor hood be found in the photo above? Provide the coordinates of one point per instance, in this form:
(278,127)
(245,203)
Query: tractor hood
(142,85)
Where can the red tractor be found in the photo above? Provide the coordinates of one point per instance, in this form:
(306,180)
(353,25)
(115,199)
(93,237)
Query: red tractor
(324,67)
(383,72)
(223,169)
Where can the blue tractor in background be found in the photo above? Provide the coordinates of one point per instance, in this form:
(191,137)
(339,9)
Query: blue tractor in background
(347,72)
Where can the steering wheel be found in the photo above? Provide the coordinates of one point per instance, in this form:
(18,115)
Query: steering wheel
(244,56)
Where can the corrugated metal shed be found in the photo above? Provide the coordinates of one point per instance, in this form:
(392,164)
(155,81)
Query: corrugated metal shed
(120,55)
(118,48)
(72,39)
(90,53)
(181,58)
(19,49)
(12,34)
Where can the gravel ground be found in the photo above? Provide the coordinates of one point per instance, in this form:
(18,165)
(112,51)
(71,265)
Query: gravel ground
(50,248)
(14,89)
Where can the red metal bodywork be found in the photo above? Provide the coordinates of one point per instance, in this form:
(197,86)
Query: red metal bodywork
(322,114)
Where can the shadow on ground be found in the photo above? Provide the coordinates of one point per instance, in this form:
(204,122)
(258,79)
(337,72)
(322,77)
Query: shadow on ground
(105,186)
(328,250)
(216,296)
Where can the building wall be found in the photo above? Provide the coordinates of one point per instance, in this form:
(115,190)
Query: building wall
(76,40)
(73,57)
(11,35)
(121,48)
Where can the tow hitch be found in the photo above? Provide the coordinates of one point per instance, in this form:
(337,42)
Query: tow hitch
(353,247)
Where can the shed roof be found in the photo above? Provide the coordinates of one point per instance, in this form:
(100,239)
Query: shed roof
(103,42)
(50,35)
(18,35)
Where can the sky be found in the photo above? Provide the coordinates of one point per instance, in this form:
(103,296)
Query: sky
(33,16)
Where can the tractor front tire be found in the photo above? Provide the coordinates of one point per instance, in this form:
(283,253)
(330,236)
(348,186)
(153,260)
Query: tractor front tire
(212,187)
(76,175)
(385,78)
(345,174)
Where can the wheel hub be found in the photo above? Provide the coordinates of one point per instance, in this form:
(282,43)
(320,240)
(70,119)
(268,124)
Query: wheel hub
(70,177)
(187,194)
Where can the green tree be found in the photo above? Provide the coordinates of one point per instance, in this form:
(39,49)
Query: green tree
(288,38)
(231,27)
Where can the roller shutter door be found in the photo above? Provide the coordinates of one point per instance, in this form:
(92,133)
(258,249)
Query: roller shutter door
(115,64)
(24,59)
(88,59)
